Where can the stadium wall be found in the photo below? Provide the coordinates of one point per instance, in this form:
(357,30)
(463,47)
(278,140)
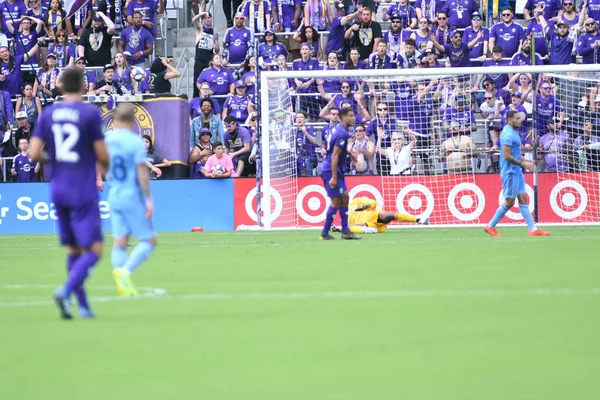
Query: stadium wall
(230,203)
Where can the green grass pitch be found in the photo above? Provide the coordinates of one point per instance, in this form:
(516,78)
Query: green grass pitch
(410,314)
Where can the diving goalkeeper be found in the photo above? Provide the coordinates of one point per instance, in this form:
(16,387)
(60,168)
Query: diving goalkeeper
(365,218)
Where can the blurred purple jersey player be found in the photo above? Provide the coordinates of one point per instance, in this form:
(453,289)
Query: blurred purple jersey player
(332,172)
(70,132)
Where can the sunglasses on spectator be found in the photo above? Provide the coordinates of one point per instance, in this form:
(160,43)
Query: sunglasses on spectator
(332,57)
(487,84)
(423,22)
(360,130)
(441,18)
(382,109)
(396,22)
(61,35)
(476,19)
(488,98)
(230,124)
(506,15)
(239,17)
(589,23)
(345,87)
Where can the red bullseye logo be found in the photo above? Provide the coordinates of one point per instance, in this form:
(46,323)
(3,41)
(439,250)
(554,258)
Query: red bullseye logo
(364,190)
(415,199)
(312,203)
(276,204)
(466,201)
(568,199)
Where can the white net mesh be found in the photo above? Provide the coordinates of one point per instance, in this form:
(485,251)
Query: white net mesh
(428,145)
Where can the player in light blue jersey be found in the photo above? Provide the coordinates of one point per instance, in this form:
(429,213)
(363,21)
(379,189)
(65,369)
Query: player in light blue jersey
(129,198)
(513,181)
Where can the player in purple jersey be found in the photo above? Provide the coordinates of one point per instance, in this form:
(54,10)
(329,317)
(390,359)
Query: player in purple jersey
(69,138)
(332,172)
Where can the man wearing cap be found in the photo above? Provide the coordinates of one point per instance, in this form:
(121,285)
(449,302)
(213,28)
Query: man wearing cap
(479,52)
(507,34)
(108,84)
(457,51)
(207,44)
(523,57)
(308,104)
(238,42)
(237,144)
(404,11)
(89,78)
(560,42)
(137,41)
(459,12)
(95,42)
(24,127)
(206,120)
(396,37)
(238,105)
(337,29)
(429,60)
(587,44)
(200,153)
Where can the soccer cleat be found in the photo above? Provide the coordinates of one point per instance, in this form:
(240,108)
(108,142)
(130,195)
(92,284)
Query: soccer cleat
(326,237)
(539,232)
(125,286)
(424,221)
(86,313)
(350,236)
(491,231)
(63,304)
(336,229)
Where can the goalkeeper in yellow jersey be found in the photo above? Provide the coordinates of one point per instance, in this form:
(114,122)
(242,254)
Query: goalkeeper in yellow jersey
(365,218)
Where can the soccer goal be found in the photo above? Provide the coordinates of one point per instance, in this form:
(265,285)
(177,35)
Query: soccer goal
(426,141)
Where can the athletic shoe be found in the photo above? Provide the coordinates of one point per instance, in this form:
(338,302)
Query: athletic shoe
(63,304)
(539,232)
(491,231)
(350,236)
(125,286)
(326,237)
(336,229)
(424,221)
(86,313)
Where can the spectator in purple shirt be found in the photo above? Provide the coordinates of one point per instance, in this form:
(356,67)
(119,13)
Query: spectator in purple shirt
(11,78)
(238,42)
(457,51)
(587,43)
(237,145)
(220,79)
(337,30)
(63,50)
(459,12)
(24,168)
(330,85)
(11,10)
(136,41)
(554,146)
(537,29)
(380,58)
(305,145)
(270,50)
(560,42)
(310,36)
(147,9)
(309,104)
(507,34)
(258,15)
(523,57)
(552,9)
(479,52)
(25,36)
(404,11)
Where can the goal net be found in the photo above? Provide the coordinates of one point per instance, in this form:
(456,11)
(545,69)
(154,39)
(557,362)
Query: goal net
(426,141)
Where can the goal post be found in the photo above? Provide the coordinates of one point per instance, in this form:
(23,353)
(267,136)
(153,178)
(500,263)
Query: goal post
(430,145)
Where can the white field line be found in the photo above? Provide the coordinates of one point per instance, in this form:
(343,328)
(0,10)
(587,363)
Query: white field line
(158,294)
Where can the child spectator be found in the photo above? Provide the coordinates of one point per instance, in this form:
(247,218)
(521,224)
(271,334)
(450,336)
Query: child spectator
(220,164)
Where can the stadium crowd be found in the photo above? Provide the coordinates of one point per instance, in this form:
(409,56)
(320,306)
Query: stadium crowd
(448,124)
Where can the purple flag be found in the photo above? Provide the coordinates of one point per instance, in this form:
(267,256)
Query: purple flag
(72,6)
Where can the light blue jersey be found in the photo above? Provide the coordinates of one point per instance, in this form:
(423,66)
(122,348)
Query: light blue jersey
(510,137)
(126,150)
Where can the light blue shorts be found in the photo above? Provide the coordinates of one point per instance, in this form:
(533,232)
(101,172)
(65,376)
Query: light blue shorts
(132,221)
(513,185)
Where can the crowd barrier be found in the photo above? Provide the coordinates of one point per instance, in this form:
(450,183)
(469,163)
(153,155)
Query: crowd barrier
(228,204)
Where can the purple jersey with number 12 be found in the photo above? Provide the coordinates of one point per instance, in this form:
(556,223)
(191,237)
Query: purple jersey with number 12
(69,129)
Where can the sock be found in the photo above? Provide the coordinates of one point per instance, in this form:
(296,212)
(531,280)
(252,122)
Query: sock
(80,291)
(118,256)
(406,218)
(527,216)
(498,216)
(331,211)
(79,272)
(344,217)
(138,255)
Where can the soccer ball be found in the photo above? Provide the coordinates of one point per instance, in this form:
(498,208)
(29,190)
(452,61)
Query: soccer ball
(218,169)
(138,74)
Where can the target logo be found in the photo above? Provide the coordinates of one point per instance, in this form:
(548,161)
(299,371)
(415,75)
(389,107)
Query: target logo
(312,203)
(251,209)
(418,200)
(516,216)
(466,201)
(568,199)
(363,189)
